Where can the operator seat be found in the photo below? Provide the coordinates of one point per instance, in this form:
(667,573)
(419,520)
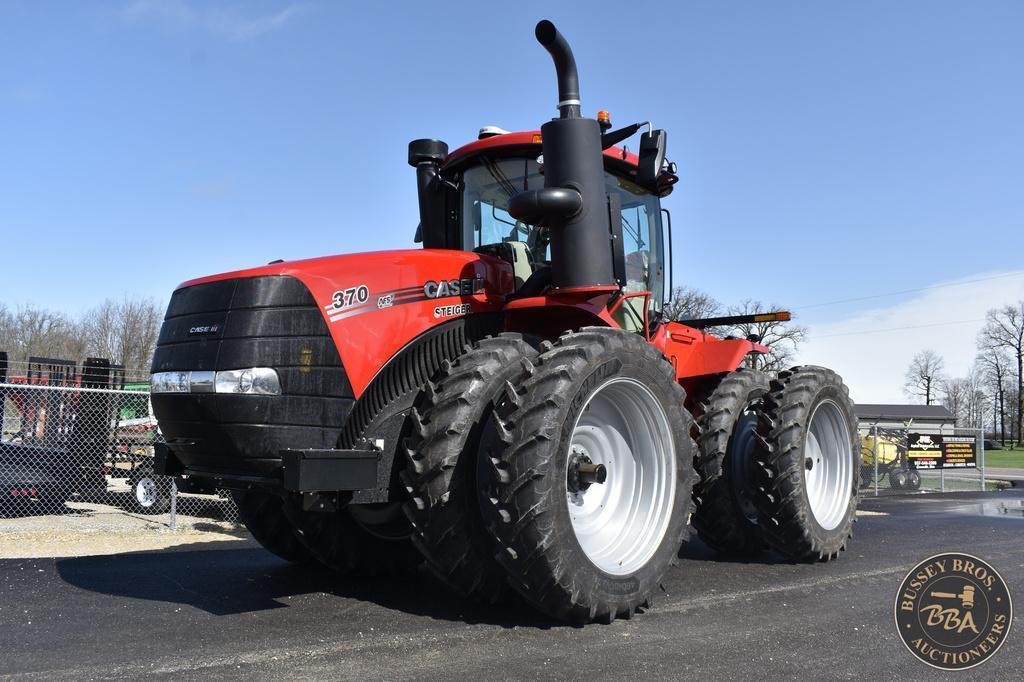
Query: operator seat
(517,254)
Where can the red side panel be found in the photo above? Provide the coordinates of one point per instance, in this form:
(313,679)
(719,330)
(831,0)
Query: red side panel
(375,303)
(694,353)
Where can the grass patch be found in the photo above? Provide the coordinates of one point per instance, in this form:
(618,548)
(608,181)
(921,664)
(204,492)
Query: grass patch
(1005,458)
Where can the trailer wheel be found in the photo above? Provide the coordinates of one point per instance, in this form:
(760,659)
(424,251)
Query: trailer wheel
(913,479)
(726,517)
(443,458)
(807,459)
(350,546)
(591,489)
(263,514)
(897,479)
(150,494)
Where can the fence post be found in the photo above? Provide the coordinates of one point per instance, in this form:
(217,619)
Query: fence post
(874,432)
(981,454)
(174,504)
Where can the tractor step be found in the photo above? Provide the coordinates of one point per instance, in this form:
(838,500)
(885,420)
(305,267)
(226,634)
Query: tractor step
(329,470)
(302,471)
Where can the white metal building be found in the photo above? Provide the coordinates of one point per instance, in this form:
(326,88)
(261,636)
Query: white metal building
(919,418)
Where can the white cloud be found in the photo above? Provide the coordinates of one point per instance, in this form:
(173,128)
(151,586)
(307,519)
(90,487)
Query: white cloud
(225,21)
(873,348)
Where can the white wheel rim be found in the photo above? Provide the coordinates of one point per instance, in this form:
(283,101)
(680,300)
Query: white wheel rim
(620,523)
(145,492)
(828,465)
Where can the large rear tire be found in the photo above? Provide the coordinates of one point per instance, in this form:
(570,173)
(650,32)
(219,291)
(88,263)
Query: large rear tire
(726,518)
(263,514)
(592,487)
(807,459)
(443,458)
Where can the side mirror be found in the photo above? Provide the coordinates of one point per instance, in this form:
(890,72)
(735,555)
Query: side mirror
(652,156)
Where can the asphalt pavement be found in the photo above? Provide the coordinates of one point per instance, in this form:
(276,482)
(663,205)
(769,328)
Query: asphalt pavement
(232,610)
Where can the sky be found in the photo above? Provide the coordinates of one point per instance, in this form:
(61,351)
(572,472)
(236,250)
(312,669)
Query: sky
(827,151)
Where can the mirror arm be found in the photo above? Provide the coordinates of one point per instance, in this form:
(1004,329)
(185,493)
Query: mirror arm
(612,138)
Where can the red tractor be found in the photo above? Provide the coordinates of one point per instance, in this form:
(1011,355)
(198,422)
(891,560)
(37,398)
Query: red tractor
(509,404)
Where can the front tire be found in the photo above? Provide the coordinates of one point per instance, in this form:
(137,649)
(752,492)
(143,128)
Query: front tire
(579,544)
(443,458)
(807,459)
(350,546)
(263,514)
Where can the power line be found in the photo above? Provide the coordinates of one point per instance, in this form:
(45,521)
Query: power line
(910,291)
(896,329)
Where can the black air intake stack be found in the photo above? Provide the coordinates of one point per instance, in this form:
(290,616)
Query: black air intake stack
(426,156)
(573,203)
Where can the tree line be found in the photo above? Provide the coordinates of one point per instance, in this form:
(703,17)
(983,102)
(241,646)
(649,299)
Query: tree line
(992,393)
(123,331)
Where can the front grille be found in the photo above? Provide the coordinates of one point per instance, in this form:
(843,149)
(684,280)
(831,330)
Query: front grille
(251,322)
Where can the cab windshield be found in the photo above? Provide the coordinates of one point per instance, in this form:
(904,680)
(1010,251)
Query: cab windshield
(487,227)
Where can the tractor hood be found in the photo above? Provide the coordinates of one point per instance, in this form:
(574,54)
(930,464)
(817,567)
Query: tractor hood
(375,303)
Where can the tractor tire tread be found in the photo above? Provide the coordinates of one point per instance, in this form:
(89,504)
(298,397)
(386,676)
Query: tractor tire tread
(785,517)
(443,499)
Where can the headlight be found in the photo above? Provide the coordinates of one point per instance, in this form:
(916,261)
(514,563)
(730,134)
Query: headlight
(256,381)
(169,382)
(252,381)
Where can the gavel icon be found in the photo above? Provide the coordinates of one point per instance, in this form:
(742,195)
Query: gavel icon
(966,597)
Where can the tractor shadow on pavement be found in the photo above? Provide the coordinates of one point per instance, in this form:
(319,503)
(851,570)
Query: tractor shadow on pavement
(228,581)
(695,550)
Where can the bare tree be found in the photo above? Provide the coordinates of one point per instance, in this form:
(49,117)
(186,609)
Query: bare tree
(1004,329)
(924,376)
(784,338)
(124,331)
(996,367)
(31,331)
(690,304)
(955,394)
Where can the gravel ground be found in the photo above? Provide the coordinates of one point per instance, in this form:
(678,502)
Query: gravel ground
(94,529)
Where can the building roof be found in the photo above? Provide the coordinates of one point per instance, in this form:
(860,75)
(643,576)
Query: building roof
(904,412)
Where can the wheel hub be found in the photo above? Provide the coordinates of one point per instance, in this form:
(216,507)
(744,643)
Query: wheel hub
(145,492)
(621,476)
(583,472)
(741,458)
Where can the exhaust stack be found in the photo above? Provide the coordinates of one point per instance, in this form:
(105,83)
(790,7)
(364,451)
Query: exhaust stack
(573,203)
(565,68)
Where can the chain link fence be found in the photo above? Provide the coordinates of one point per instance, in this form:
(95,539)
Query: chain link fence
(79,440)
(904,460)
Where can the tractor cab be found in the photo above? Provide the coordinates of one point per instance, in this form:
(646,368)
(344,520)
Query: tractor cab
(478,183)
